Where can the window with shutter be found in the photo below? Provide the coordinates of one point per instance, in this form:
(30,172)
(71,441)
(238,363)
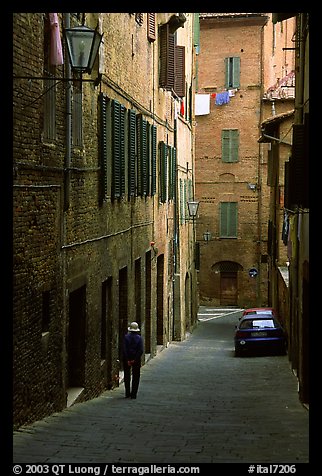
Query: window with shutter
(229,145)
(228,220)
(196,32)
(151,18)
(298,168)
(167,42)
(103,144)
(272,165)
(182,209)
(232,66)
(139,18)
(153,160)
(142,155)
(163,171)
(180,75)
(148,158)
(118,162)
(172,171)
(132,153)
(122,147)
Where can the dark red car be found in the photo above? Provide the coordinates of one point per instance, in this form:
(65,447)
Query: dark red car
(259,310)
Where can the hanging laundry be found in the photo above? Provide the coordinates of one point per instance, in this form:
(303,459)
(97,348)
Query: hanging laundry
(222,98)
(182,108)
(56,50)
(285,229)
(202,104)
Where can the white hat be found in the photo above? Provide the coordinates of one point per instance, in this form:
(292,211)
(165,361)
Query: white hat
(134,327)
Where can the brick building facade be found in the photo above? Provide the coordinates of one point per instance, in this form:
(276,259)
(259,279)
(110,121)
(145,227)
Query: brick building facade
(229,173)
(233,170)
(102,172)
(252,160)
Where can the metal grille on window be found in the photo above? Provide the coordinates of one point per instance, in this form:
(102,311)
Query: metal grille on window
(139,18)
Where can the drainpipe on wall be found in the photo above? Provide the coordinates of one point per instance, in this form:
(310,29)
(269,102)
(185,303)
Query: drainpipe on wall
(176,268)
(65,206)
(68,125)
(259,180)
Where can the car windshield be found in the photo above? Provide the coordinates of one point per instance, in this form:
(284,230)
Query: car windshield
(257,324)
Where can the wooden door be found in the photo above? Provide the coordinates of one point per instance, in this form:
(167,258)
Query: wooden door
(228,288)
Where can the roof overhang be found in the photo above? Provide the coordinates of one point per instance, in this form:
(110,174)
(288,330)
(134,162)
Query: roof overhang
(266,127)
(277,17)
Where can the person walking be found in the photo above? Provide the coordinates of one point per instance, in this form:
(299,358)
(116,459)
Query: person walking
(132,352)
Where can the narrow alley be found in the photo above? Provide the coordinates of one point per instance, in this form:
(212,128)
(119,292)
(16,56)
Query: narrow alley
(197,403)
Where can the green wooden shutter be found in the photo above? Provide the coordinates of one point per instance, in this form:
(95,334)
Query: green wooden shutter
(229,145)
(236,72)
(118,162)
(228,220)
(172,171)
(144,158)
(122,148)
(142,155)
(232,69)
(103,145)
(163,171)
(196,32)
(299,160)
(182,209)
(170,160)
(154,160)
(132,153)
(148,158)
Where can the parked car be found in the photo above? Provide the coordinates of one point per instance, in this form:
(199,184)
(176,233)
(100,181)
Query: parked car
(259,310)
(259,332)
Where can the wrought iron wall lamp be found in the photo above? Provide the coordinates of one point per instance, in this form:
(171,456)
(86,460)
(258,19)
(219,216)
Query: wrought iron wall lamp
(82,45)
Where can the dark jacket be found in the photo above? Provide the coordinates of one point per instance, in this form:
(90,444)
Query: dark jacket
(132,346)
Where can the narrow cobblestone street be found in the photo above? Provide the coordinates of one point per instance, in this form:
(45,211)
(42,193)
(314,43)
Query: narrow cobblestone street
(197,403)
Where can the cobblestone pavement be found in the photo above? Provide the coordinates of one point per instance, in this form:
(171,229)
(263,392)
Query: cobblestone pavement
(197,403)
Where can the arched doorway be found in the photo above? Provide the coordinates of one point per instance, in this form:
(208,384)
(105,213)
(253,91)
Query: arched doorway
(228,282)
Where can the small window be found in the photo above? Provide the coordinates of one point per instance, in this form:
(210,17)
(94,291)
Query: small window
(151,19)
(139,18)
(228,219)
(118,149)
(232,65)
(172,62)
(229,145)
(163,177)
